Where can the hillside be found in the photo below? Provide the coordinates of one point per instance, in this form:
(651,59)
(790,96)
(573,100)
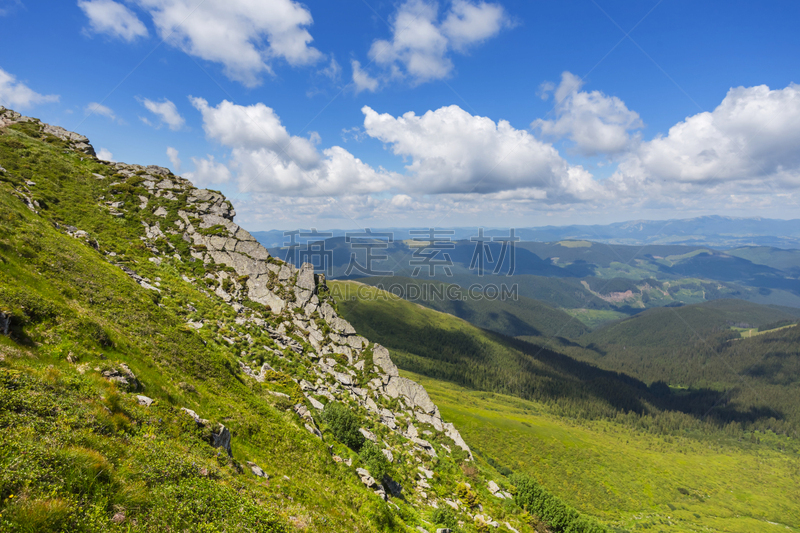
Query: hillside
(638,457)
(672,327)
(510,316)
(160,371)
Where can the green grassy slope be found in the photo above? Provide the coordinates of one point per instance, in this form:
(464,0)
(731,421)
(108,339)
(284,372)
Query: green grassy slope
(656,469)
(443,346)
(77,450)
(509,316)
(629,477)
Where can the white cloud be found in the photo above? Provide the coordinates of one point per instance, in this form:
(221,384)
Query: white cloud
(333,71)
(172,154)
(748,144)
(207,171)
(361,79)
(113,18)
(468,24)
(105,155)
(245,36)
(166,111)
(596,123)
(17,95)
(452,151)
(95,108)
(420,45)
(402,200)
(267,158)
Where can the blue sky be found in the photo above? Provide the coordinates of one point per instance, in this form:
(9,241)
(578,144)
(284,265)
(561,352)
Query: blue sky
(524,112)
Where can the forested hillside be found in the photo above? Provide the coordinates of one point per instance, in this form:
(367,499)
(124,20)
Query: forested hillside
(637,455)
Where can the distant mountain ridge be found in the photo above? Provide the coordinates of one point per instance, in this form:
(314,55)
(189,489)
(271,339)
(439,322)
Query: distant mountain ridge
(712,230)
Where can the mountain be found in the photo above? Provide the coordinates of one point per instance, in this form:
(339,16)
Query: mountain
(749,350)
(160,371)
(639,457)
(715,231)
(671,327)
(573,274)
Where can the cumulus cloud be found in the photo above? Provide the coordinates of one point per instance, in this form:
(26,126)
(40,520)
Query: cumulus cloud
(244,36)
(452,151)
(422,41)
(174,158)
(748,143)
(361,80)
(208,171)
(95,108)
(166,111)
(268,158)
(595,122)
(113,18)
(105,155)
(16,95)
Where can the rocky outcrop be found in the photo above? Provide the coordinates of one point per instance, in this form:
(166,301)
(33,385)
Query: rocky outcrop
(76,141)
(182,225)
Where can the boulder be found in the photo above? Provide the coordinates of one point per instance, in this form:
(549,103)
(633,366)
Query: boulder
(314,431)
(144,400)
(368,434)
(415,393)
(256,470)
(222,439)
(315,404)
(381,358)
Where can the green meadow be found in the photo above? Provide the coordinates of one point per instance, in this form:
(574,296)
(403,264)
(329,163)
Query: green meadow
(630,479)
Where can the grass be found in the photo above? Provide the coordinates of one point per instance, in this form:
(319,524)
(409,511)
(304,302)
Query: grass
(511,315)
(78,453)
(748,333)
(594,318)
(628,478)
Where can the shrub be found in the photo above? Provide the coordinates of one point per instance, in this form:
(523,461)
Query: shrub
(444,516)
(561,517)
(373,458)
(379,515)
(344,425)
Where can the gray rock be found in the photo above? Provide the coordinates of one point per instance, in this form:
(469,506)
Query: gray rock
(195,416)
(452,432)
(5,322)
(415,393)
(388,454)
(342,326)
(305,277)
(314,431)
(144,400)
(256,470)
(327,312)
(493,487)
(222,439)
(368,434)
(435,421)
(380,356)
(315,404)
